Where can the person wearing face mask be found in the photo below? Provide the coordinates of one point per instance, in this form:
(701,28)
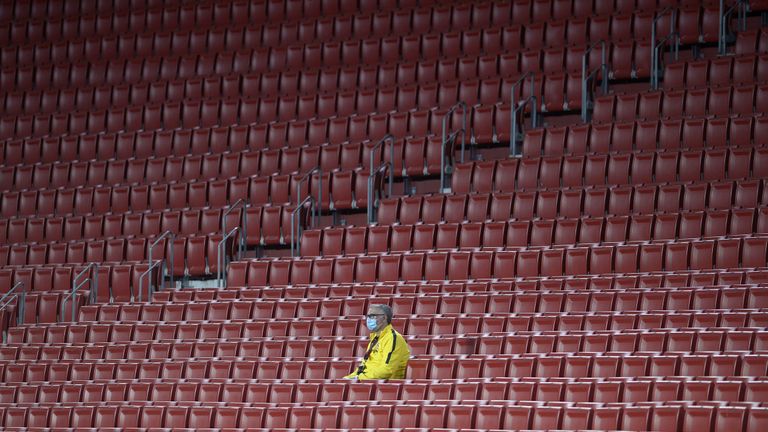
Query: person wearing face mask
(387,353)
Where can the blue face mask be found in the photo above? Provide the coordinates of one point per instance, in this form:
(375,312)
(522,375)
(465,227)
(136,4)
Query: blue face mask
(371,323)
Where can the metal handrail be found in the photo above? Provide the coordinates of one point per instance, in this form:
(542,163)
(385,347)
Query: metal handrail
(222,258)
(165,235)
(306,177)
(296,226)
(7,299)
(445,138)
(722,35)
(383,166)
(587,76)
(240,203)
(522,104)
(77,283)
(370,202)
(655,70)
(147,274)
(94,291)
(657,49)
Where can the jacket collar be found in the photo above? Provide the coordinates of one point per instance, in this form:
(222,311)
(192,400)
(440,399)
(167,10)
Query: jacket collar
(378,333)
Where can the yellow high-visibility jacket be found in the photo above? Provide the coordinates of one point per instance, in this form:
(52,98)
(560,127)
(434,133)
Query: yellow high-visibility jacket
(388,359)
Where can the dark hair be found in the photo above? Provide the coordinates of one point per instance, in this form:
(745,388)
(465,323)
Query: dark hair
(386,310)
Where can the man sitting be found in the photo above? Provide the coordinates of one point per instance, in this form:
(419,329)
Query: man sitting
(387,353)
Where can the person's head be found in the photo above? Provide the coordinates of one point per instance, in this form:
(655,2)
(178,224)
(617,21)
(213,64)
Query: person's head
(378,316)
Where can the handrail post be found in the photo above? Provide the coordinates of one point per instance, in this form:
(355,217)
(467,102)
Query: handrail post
(165,235)
(384,165)
(21,301)
(587,75)
(221,259)
(721,29)
(22,304)
(299,201)
(655,72)
(740,7)
(243,204)
(515,108)
(445,138)
(77,283)
(296,226)
(370,200)
(308,177)
(293,252)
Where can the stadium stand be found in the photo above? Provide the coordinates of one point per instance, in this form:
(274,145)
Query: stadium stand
(565,203)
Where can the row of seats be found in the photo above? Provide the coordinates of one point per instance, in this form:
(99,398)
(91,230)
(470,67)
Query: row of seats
(133,230)
(43,308)
(267,225)
(194,248)
(481,179)
(666,135)
(348,63)
(237,288)
(354,22)
(642,135)
(96,251)
(598,365)
(718,71)
(300,156)
(658,341)
(494,51)
(274,72)
(735,133)
(477,84)
(525,302)
(604,391)
(468,303)
(637,168)
(193,255)
(594,260)
(347,30)
(498,302)
(181,196)
(151,81)
(269,168)
(575,203)
(175,115)
(120,108)
(294,10)
(314,93)
(521,234)
(262,9)
(524,322)
(256,288)
(742,100)
(130,145)
(333,242)
(218,46)
(556,261)
(393,418)
(481,231)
